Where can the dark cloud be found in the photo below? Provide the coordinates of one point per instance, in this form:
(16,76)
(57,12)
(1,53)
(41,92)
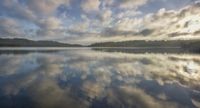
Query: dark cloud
(146,32)
(177,34)
(114,32)
(197,33)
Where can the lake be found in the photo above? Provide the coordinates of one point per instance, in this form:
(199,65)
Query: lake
(97,78)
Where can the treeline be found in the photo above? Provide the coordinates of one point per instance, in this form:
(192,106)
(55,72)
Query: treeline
(17,42)
(190,45)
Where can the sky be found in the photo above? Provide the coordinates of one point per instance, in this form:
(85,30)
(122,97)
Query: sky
(90,21)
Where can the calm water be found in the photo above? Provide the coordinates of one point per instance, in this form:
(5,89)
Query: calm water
(85,78)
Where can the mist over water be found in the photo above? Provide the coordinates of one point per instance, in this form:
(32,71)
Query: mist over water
(85,78)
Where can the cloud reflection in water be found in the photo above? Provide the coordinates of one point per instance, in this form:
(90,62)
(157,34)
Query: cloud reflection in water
(92,79)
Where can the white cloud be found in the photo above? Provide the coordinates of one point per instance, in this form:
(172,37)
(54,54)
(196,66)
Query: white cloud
(108,2)
(49,27)
(10,27)
(49,23)
(90,5)
(131,4)
(168,24)
(128,24)
(128,14)
(183,21)
(106,15)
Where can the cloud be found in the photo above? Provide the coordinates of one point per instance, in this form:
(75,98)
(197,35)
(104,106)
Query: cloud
(90,5)
(51,26)
(49,23)
(183,21)
(37,13)
(130,4)
(7,3)
(122,27)
(45,7)
(107,3)
(14,9)
(128,24)
(91,21)
(9,27)
(128,14)
(106,15)
(180,23)
(110,32)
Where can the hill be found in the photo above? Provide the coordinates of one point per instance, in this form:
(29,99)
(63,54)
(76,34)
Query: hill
(18,42)
(189,45)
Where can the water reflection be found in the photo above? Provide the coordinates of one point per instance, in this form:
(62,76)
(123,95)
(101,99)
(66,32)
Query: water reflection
(92,79)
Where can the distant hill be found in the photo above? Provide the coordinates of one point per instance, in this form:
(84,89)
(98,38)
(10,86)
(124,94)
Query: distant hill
(18,42)
(190,45)
(186,45)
